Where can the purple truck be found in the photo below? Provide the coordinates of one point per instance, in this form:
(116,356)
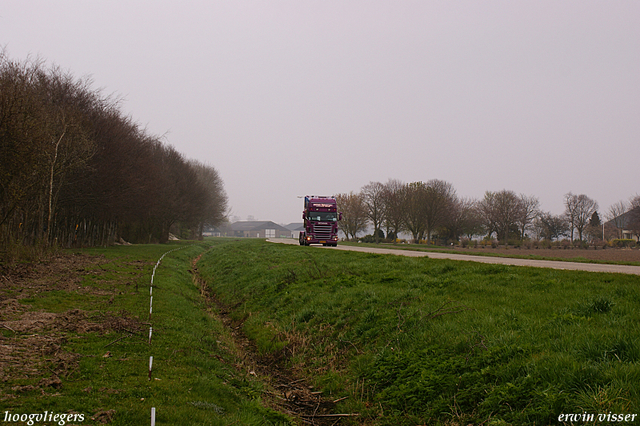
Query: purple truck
(321,218)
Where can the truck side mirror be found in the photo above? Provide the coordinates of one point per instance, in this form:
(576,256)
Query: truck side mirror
(303,218)
(340,216)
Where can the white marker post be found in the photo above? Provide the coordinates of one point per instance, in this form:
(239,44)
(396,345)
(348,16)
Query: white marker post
(153,416)
(150,366)
(150,331)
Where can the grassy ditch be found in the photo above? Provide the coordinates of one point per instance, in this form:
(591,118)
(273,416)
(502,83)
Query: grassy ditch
(409,341)
(75,339)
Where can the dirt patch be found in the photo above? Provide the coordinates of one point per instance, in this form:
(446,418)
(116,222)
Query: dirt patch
(63,272)
(104,417)
(31,341)
(289,392)
(74,321)
(34,343)
(60,272)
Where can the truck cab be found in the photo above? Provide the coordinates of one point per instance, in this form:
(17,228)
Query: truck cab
(321,218)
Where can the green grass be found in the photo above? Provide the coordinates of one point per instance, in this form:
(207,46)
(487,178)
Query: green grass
(416,340)
(196,379)
(408,341)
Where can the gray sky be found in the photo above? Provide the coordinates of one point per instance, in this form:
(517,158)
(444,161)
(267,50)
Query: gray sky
(287,98)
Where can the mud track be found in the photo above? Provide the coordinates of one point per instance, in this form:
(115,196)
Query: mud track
(288,392)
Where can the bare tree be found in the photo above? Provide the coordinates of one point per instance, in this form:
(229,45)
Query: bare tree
(214,207)
(394,207)
(529,209)
(552,227)
(438,201)
(75,170)
(462,219)
(373,198)
(20,168)
(500,211)
(579,209)
(486,210)
(43,140)
(354,214)
(570,212)
(67,145)
(415,195)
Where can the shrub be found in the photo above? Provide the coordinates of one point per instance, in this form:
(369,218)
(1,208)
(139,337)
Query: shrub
(622,242)
(371,238)
(367,239)
(579,244)
(596,243)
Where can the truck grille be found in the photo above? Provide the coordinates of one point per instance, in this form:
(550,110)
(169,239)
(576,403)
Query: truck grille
(322,232)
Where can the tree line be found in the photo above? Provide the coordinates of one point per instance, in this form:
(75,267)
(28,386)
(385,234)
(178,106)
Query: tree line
(433,211)
(76,171)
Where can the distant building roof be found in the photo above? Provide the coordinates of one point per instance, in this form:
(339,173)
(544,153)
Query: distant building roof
(624,219)
(295,226)
(256,225)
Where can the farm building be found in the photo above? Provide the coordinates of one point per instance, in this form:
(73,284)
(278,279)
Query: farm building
(627,224)
(258,229)
(295,229)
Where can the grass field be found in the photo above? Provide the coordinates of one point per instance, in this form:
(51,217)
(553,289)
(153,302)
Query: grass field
(398,341)
(424,341)
(77,334)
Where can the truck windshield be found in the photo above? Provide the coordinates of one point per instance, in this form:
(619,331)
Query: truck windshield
(323,216)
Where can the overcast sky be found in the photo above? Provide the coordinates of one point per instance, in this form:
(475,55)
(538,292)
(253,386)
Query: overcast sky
(288,98)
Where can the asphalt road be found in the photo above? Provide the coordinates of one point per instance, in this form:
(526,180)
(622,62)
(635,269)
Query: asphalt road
(553,264)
